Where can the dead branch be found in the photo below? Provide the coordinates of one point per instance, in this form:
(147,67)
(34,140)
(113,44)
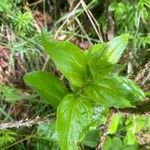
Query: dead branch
(24,123)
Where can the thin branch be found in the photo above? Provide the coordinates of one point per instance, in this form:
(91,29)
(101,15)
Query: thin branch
(34,3)
(69,16)
(23,123)
(143,108)
(90,16)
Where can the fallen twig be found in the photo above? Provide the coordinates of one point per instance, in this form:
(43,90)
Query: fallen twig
(143,108)
(23,123)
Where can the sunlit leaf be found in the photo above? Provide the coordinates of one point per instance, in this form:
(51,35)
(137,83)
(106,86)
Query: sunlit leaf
(49,87)
(135,123)
(113,125)
(98,61)
(74,117)
(116,47)
(130,138)
(114,91)
(68,58)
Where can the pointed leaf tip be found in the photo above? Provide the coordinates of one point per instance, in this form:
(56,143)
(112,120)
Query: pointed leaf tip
(116,47)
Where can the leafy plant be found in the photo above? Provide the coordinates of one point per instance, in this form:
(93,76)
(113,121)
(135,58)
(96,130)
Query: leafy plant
(93,82)
(124,130)
(7,137)
(10,94)
(47,137)
(5,6)
(23,21)
(117,144)
(131,17)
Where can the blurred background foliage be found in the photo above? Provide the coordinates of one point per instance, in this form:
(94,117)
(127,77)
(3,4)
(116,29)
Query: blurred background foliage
(83,23)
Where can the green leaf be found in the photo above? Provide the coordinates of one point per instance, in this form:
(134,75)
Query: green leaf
(68,58)
(91,139)
(102,57)
(116,144)
(74,117)
(107,143)
(114,91)
(111,144)
(116,47)
(100,114)
(100,49)
(11,94)
(130,138)
(112,129)
(131,147)
(110,51)
(98,61)
(7,137)
(134,124)
(48,86)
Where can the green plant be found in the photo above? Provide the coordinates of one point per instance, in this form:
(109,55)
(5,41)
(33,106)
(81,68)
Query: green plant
(124,131)
(5,6)
(46,137)
(128,16)
(23,21)
(10,94)
(93,84)
(7,137)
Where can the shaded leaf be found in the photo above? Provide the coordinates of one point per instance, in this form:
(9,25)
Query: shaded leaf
(131,147)
(107,143)
(111,144)
(91,139)
(7,137)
